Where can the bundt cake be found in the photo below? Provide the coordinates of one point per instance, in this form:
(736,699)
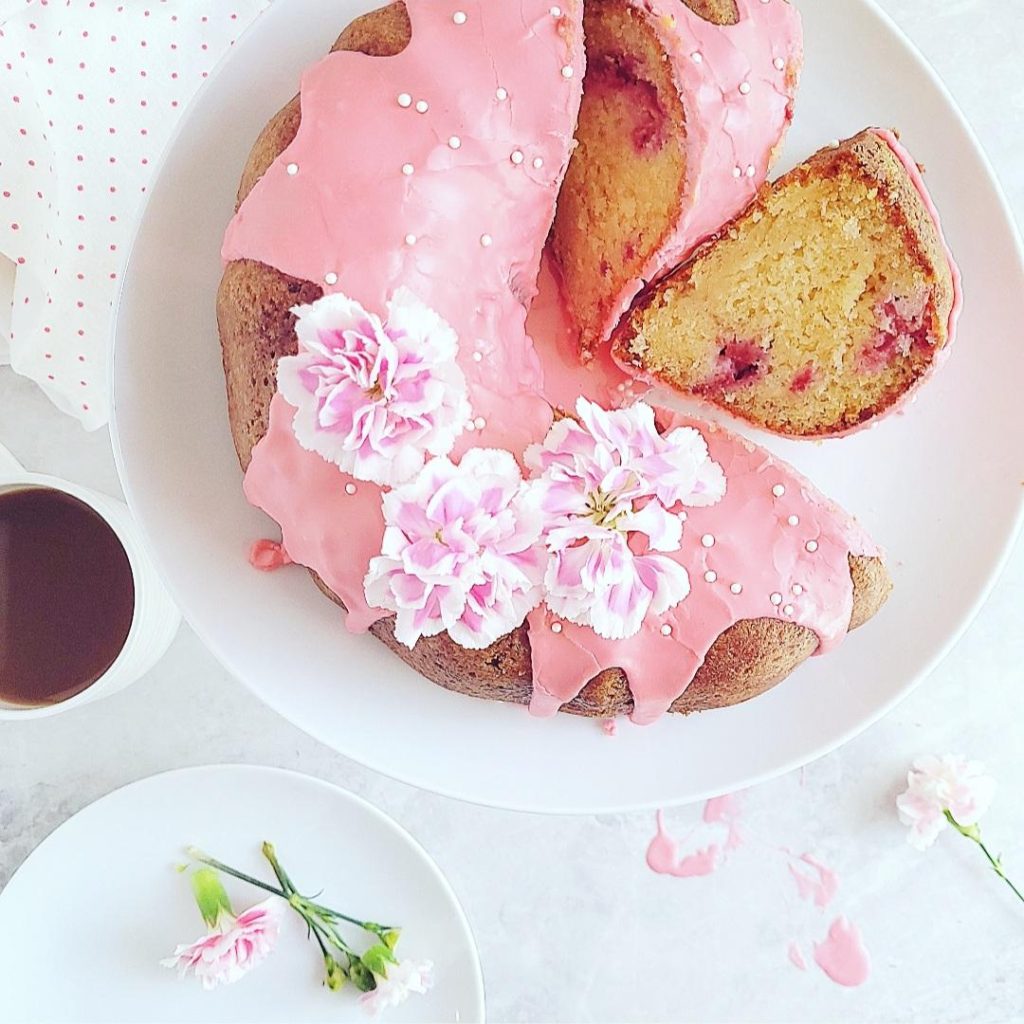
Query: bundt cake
(818,308)
(684,106)
(390,410)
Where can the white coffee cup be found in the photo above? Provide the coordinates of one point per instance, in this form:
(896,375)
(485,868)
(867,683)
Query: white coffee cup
(155,619)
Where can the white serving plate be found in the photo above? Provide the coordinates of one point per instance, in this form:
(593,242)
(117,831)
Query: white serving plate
(87,918)
(939,487)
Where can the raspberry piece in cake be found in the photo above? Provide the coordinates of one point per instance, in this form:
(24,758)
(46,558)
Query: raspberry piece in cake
(818,308)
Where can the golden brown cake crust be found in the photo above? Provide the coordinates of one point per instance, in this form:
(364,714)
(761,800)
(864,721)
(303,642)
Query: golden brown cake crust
(257,328)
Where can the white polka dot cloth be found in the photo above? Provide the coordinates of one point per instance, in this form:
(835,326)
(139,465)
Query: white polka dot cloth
(90,91)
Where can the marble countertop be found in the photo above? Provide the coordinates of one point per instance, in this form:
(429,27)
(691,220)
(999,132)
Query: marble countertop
(592,934)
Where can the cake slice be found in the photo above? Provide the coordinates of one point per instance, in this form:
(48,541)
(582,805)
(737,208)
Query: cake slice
(684,105)
(817,309)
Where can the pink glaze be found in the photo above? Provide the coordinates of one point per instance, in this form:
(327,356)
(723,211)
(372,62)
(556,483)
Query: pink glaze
(755,547)
(609,726)
(728,128)
(796,958)
(479,216)
(663,856)
(820,886)
(842,955)
(268,555)
(324,526)
(725,810)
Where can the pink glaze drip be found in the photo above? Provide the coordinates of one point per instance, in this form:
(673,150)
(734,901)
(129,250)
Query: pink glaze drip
(842,955)
(663,856)
(725,810)
(796,957)
(727,126)
(755,547)
(609,727)
(820,886)
(268,556)
(512,82)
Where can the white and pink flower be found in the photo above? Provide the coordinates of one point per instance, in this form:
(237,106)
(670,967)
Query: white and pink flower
(604,483)
(938,784)
(232,948)
(410,977)
(461,551)
(376,399)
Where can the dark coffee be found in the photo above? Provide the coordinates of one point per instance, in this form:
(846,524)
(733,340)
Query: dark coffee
(67,596)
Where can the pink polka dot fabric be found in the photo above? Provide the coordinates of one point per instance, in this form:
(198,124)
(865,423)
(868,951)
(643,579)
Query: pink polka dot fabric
(90,91)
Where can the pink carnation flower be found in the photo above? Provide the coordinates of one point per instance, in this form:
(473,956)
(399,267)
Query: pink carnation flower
(938,784)
(460,552)
(376,399)
(403,980)
(232,949)
(601,482)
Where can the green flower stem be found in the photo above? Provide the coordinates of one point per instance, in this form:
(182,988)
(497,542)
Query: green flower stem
(973,833)
(240,875)
(320,920)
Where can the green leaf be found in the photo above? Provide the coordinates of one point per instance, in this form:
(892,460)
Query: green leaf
(391,937)
(211,897)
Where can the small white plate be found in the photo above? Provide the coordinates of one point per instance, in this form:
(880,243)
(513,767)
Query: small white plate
(87,918)
(938,487)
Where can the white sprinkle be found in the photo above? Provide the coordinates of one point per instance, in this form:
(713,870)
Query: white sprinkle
(751,170)
(737,171)
(778,490)
(744,88)
(293,169)
(538,162)
(797,589)
(422,106)
(779,63)
(517,157)
(567,71)
(407,169)
(793,520)
(459,17)
(696,56)
(812,546)
(350,488)
(486,241)
(737,588)
(331,278)
(480,423)
(404,99)
(788,610)
(478,357)
(556,627)
(502,94)
(410,239)
(708,540)
(556,12)
(666,630)
(776,599)
(455,142)
(710,576)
